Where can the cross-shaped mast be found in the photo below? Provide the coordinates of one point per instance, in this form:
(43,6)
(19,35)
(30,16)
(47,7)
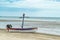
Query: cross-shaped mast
(23,20)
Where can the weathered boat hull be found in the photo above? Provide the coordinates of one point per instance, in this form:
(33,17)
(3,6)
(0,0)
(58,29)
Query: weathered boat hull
(21,30)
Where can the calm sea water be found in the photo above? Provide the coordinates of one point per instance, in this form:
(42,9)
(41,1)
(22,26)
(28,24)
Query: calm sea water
(27,24)
(31,18)
(50,27)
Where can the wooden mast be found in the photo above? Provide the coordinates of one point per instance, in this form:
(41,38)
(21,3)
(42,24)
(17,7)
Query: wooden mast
(23,20)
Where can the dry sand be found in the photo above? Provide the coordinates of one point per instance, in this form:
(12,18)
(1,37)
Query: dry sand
(4,35)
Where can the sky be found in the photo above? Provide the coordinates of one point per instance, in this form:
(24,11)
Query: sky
(32,8)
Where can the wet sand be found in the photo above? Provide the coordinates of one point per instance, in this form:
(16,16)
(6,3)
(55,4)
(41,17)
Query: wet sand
(4,35)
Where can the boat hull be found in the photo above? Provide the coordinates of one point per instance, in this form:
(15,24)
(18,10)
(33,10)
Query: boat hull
(21,30)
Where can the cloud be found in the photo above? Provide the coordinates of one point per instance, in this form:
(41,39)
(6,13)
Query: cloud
(33,4)
(10,0)
(32,7)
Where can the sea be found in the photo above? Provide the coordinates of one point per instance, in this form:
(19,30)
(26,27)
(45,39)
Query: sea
(47,25)
(31,21)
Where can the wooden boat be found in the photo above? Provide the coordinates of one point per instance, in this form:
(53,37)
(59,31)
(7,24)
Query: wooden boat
(10,29)
(21,30)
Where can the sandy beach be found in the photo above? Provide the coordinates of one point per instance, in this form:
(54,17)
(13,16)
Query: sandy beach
(4,35)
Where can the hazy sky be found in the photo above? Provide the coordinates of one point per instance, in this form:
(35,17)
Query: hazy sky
(35,8)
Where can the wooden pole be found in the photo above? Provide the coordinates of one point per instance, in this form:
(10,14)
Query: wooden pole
(23,20)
